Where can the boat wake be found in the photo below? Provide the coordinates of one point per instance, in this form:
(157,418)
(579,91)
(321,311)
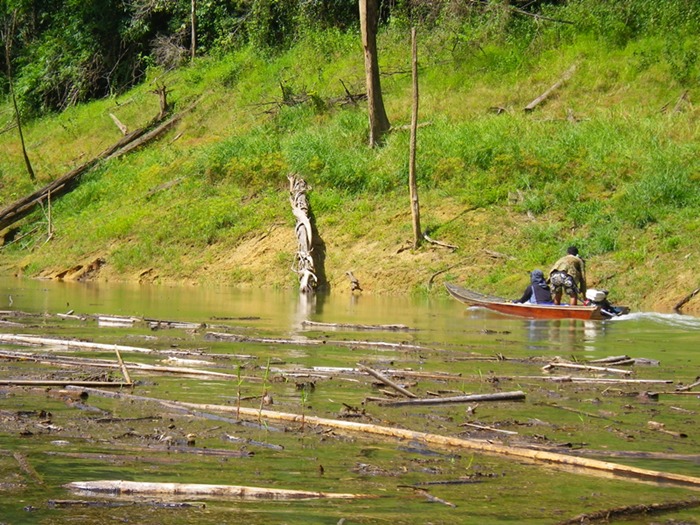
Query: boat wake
(674,320)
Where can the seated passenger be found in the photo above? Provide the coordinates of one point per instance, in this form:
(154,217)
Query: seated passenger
(538,292)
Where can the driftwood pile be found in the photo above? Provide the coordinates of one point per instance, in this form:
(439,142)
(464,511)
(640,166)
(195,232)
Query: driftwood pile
(399,386)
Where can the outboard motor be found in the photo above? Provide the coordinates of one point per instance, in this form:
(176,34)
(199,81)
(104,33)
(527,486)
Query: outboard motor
(600,298)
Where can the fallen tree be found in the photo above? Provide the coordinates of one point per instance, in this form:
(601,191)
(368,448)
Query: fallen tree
(62,185)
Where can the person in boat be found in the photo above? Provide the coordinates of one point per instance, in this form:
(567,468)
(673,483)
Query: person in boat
(568,274)
(538,291)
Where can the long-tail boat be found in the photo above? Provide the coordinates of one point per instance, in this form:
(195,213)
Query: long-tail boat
(533,311)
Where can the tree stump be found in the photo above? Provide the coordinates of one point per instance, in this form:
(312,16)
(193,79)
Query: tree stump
(304,261)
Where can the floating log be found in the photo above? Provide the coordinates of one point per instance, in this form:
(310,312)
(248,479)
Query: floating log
(252,442)
(67,382)
(499,396)
(386,381)
(69,343)
(381,327)
(594,380)
(109,320)
(64,503)
(489,429)
(688,387)
(156,324)
(586,367)
(219,336)
(135,488)
(10,323)
(610,359)
(583,465)
(125,371)
(101,363)
(631,510)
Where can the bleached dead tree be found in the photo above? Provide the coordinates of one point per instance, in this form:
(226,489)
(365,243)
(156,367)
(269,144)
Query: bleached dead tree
(304,262)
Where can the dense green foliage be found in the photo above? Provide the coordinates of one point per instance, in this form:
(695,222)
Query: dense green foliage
(67,51)
(609,161)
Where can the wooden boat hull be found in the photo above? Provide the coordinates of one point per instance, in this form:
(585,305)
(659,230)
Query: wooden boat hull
(529,311)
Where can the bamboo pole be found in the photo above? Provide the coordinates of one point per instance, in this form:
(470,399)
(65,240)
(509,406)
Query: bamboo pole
(121,487)
(582,465)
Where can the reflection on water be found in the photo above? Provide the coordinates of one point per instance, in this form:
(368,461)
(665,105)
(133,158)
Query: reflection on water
(566,333)
(437,321)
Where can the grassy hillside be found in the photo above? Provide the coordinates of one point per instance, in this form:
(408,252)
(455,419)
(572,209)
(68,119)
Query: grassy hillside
(610,162)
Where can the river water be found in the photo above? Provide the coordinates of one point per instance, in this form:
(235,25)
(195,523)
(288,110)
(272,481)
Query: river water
(440,335)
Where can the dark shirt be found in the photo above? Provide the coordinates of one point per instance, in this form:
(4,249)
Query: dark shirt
(542,295)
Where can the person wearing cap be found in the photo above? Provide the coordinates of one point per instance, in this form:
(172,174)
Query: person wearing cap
(568,274)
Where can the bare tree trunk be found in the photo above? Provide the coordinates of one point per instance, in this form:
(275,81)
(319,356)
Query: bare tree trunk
(378,121)
(194,29)
(413,186)
(8,34)
(305,266)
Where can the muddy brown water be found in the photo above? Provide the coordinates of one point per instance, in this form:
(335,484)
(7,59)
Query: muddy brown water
(50,437)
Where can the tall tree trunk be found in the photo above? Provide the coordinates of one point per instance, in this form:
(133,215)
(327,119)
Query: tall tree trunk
(413,186)
(8,35)
(378,121)
(193,21)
